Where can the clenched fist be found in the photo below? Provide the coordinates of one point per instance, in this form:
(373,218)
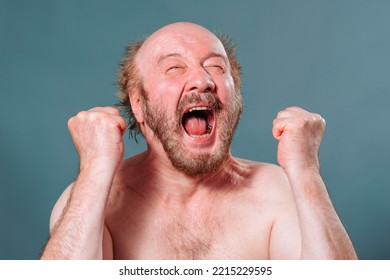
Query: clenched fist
(299,133)
(97,135)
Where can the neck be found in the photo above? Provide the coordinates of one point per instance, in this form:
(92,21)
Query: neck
(161,178)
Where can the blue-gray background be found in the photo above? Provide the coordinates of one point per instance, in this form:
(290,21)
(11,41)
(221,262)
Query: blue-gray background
(331,57)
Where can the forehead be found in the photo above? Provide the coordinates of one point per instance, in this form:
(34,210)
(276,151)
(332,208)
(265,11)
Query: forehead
(187,40)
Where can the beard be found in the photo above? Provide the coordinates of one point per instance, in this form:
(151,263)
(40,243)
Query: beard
(168,130)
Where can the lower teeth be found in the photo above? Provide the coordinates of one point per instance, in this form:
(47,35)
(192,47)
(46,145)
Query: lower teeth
(201,136)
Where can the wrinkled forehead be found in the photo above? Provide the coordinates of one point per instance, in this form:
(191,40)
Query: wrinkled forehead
(185,39)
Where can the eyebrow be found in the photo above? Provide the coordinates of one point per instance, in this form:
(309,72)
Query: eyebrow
(164,57)
(214,54)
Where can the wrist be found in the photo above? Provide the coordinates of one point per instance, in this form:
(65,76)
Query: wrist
(102,165)
(94,181)
(306,183)
(300,171)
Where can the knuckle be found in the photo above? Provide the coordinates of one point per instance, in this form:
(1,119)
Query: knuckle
(97,108)
(281,114)
(71,122)
(115,110)
(295,108)
(81,115)
(301,121)
(323,122)
(317,117)
(89,117)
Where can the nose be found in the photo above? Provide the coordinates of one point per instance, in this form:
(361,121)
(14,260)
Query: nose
(199,80)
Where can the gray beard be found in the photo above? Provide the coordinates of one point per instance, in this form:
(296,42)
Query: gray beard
(168,130)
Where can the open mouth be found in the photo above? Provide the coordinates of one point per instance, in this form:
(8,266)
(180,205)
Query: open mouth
(198,121)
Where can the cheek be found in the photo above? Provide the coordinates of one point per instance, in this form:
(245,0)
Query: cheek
(165,93)
(226,91)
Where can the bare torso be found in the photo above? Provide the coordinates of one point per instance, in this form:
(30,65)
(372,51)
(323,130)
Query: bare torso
(156,205)
(227,217)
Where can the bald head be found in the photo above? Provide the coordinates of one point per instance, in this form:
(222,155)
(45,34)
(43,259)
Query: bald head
(185,30)
(179,29)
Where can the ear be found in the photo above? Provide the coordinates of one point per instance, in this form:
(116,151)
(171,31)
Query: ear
(136,106)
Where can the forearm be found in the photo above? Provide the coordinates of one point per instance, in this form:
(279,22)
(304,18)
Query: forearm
(322,233)
(78,233)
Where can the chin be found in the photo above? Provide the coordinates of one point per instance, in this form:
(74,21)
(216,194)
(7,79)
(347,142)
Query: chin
(195,159)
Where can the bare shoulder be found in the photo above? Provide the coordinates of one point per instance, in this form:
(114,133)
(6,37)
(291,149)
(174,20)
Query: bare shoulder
(265,176)
(267,184)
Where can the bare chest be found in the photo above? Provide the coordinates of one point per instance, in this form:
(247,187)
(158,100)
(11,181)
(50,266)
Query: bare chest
(203,235)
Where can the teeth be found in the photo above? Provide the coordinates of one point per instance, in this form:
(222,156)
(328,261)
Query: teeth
(200,136)
(199,109)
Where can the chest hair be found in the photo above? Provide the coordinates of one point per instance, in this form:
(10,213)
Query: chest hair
(191,237)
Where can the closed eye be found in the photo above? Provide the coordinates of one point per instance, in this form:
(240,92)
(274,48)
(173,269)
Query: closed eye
(215,69)
(174,69)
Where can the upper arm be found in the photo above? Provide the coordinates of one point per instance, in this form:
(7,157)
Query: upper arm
(285,235)
(285,239)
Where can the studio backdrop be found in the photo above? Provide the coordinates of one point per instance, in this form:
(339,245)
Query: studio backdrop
(330,57)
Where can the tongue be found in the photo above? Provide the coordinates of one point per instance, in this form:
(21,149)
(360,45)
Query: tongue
(195,126)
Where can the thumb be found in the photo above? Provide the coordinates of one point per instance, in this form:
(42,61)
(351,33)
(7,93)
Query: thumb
(279,127)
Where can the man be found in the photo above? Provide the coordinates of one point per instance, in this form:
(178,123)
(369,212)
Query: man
(186,197)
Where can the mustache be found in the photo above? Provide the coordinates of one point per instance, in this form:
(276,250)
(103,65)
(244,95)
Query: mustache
(210,98)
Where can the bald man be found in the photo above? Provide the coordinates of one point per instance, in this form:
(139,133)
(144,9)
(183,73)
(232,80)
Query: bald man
(186,196)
